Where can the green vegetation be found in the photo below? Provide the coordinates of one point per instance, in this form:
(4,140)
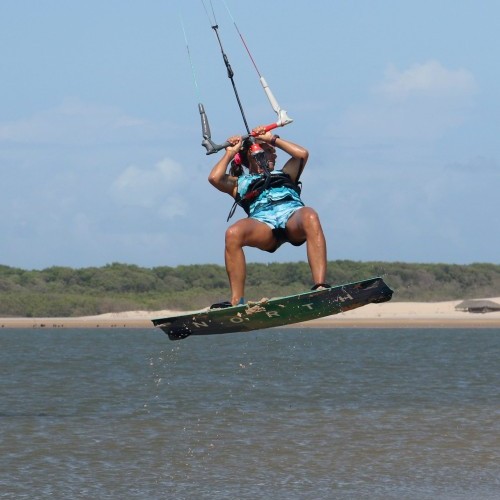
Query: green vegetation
(63,291)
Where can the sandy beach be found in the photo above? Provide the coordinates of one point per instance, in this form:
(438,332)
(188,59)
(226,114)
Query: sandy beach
(386,315)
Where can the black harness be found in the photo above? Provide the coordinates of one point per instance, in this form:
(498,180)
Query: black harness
(259,185)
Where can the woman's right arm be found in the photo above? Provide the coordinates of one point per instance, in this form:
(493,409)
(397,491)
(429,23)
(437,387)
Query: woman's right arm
(218,176)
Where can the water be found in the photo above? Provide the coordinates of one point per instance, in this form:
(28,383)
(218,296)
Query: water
(281,414)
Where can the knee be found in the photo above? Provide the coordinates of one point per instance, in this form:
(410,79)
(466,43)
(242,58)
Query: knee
(310,217)
(311,225)
(234,236)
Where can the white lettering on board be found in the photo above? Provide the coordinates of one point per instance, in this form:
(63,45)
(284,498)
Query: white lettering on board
(346,297)
(270,314)
(200,325)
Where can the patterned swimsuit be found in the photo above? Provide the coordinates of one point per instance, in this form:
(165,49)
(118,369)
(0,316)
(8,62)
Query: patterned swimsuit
(272,206)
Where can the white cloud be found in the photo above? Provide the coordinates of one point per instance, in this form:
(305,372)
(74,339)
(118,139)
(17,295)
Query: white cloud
(75,122)
(419,104)
(430,78)
(156,188)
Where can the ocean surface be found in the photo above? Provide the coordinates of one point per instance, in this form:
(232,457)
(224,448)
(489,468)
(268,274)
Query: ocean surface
(276,414)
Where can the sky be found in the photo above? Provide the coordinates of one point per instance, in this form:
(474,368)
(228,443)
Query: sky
(101,161)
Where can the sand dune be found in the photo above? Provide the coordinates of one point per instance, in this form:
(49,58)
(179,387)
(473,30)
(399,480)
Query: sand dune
(389,314)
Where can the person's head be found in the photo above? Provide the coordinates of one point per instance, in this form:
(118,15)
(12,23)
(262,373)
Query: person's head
(259,155)
(251,155)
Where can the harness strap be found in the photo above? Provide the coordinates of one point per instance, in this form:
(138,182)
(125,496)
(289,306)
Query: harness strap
(258,186)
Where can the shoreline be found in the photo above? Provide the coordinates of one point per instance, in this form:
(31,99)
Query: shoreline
(82,323)
(385,315)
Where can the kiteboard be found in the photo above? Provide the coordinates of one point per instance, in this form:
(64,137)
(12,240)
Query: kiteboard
(278,311)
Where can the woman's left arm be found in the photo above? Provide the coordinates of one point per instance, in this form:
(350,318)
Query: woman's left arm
(299,155)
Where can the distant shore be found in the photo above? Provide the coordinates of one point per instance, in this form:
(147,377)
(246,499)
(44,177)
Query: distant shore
(386,315)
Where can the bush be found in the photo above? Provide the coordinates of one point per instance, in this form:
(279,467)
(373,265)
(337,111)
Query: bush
(63,291)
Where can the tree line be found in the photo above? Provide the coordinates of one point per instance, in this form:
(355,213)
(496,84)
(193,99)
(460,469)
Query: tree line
(64,291)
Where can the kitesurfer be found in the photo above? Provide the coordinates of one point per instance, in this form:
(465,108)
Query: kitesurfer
(271,198)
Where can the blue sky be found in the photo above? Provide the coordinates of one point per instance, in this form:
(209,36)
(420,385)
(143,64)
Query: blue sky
(100,156)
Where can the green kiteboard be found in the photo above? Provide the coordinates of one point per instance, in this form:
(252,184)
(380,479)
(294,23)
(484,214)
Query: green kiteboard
(277,311)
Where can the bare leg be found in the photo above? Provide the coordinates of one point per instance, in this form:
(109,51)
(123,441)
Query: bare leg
(236,268)
(245,232)
(305,223)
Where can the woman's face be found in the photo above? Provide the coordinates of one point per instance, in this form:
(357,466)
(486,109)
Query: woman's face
(270,157)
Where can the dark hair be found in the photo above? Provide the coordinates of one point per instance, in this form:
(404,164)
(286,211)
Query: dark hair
(240,160)
(236,169)
(244,152)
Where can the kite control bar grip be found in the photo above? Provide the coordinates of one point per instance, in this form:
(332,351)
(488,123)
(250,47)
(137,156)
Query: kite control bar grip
(211,147)
(269,127)
(205,127)
(207,142)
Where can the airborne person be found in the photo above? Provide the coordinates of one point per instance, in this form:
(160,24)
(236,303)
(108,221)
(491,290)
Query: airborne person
(271,199)
(276,214)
